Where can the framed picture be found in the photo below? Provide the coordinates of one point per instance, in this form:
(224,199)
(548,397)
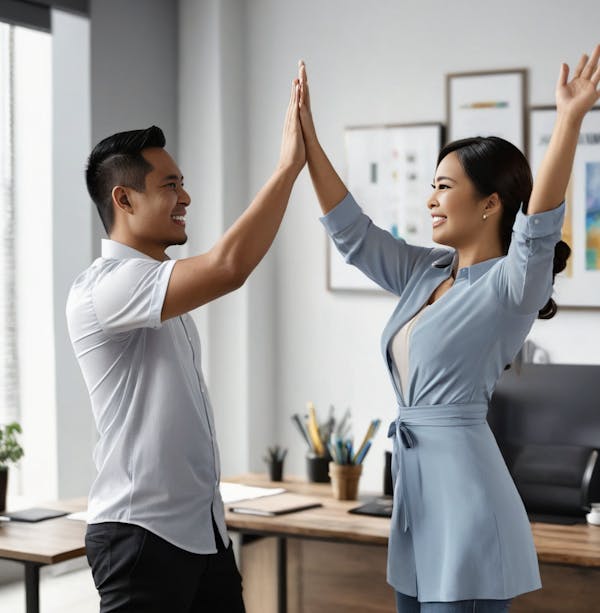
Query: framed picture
(389,172)
(487,104)
(579,284)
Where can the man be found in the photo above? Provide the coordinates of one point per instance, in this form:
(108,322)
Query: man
(156,539)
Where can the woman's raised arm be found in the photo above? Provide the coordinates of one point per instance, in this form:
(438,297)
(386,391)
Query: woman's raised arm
(574,99)
(330,189)
(387,261)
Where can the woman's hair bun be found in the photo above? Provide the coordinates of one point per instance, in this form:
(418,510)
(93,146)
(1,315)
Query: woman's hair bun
(562,251)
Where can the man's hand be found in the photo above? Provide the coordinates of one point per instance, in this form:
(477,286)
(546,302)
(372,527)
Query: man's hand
(293,154)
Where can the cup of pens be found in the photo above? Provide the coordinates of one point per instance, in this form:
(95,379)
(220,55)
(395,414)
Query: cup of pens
(316,433)
(344,480)
(345,468)
(274,459)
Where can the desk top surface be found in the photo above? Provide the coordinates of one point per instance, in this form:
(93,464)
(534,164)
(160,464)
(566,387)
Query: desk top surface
(577,545)
(56,540)
(47,542)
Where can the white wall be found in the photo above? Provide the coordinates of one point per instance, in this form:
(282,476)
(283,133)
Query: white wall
(216,78)
(134,72)
(368,63)
(237,332)
(71,239)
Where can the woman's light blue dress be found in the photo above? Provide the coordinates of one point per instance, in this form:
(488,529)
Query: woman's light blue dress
(459,530)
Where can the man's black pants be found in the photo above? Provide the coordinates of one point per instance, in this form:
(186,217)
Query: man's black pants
(136,571)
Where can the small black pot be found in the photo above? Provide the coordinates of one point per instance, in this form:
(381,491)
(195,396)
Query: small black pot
(3,485)
(317,468)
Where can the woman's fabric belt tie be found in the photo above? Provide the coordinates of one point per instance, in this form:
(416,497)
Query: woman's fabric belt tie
(450,415)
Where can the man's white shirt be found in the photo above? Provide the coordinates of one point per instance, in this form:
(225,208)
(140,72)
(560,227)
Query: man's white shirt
(157,456)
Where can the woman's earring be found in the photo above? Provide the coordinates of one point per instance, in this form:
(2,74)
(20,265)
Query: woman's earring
(484,216)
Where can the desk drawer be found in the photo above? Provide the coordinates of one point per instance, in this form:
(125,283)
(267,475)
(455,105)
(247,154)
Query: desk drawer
(325,577)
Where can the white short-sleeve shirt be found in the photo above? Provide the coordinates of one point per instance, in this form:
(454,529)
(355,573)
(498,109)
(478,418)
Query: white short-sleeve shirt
(157,457)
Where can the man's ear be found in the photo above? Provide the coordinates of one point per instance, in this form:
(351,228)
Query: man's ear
(120,199)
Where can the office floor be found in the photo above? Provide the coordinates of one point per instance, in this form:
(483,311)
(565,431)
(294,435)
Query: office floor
(71,592)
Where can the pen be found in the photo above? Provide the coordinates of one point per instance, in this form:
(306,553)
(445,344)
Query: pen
(371,432)
(361,455)
(332,452)
(313,430)
(302,428)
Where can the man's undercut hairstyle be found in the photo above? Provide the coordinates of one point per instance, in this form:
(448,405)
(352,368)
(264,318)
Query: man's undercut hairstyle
(118,160)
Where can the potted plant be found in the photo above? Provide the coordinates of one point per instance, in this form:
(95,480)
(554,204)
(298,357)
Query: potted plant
(10,452)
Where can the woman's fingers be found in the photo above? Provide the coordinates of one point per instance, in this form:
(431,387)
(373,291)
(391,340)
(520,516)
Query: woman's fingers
(302,77)
(563,75)
(302,71)
(304,91)
(596,77)
(580,66)
(591,64)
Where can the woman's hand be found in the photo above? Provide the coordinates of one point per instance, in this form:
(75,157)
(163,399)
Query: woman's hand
(576,97)
(293,153)
(306,119)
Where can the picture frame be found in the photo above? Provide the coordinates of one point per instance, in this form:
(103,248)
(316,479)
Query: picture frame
(490,103)
(578,286)
(389,170)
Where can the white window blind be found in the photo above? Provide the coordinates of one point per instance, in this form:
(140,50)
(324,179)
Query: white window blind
(9,383)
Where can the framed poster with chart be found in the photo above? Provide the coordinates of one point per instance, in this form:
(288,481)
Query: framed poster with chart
(389,172)
(579,284)
(487,104)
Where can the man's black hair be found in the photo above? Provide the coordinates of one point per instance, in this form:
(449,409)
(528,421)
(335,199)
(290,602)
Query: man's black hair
(118,160)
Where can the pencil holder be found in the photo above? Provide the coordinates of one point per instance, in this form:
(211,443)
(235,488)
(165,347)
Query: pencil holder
(317,468)
(275,470)
(344,480)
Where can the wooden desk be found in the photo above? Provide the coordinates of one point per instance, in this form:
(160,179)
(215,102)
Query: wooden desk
(569,557)
(325,549)
(42,543)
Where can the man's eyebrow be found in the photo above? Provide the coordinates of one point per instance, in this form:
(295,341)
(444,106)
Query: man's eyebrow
(173,177)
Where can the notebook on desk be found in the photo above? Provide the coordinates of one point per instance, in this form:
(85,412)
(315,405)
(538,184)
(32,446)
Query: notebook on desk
(379,507)
(34,514)
(270,506)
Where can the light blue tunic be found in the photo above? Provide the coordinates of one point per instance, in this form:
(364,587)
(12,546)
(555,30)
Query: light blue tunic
(459,530)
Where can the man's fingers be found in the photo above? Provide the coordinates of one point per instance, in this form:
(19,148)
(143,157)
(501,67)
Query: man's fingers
(296,99)
(295,84)
(292,103)
(293,94)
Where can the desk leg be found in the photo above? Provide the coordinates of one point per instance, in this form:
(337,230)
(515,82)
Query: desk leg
(32,587)
(281,575)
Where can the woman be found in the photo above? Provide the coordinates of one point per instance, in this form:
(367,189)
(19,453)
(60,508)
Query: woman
(460,538)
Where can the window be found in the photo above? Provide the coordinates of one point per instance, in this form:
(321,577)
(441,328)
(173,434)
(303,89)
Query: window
(26,354)
(9,383)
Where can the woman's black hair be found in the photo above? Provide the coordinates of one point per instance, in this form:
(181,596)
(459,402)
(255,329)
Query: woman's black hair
(496,166)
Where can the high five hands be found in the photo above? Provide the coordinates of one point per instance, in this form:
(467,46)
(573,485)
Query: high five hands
(573,98)
(293,153)
(576,97)
(308,126)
